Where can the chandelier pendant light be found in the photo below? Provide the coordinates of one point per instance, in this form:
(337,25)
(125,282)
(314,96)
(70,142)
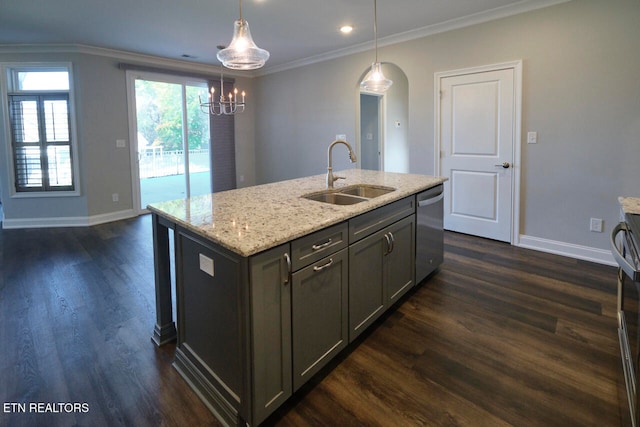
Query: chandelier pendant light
(242,53)
(225,106)
(375,81)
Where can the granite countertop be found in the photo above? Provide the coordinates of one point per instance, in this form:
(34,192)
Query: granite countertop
(252,219)
(630,205)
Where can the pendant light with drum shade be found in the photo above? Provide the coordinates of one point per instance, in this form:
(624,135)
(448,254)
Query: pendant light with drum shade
(375,81)
(242,53)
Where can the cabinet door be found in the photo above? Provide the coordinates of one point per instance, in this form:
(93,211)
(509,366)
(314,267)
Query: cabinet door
(366,282)
(400,261)
(271,331)
(320,311)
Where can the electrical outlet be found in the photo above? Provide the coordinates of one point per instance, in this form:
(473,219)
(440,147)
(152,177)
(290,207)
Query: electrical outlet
(595,225)
(115,197)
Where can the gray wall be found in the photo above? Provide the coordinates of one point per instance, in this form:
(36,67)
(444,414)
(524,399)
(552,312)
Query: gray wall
(397,148)
(100,102)
(581,93)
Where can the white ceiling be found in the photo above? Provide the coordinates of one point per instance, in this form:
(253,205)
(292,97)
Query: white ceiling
(293,31)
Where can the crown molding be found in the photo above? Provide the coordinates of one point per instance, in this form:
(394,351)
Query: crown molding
(454,24)
(121,55)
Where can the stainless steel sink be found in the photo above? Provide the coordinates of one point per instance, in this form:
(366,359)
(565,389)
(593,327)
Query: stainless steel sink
(368,191)
(335,198)
(349,195)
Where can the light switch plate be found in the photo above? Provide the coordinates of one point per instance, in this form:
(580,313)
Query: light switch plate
(532,137)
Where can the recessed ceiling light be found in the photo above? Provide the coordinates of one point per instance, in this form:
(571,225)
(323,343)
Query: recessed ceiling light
(346,29)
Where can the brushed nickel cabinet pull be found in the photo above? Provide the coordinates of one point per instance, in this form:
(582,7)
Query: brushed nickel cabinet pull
(322,267)
(321,246)
(389,245)
(287,259)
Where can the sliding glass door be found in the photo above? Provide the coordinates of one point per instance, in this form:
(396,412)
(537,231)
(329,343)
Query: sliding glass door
(172,140)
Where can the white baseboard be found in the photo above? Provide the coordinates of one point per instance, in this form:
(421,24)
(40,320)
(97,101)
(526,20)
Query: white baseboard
(600,256)
(79,221)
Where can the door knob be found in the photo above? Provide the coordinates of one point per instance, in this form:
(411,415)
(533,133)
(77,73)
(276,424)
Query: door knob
(505,165)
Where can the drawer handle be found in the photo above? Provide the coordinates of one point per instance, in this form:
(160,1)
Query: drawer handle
(322,267)
(322,246)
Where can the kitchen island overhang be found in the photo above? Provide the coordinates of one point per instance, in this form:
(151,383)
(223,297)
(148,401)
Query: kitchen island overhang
(227,232)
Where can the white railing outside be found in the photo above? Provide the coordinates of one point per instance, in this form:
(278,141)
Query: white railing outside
(155,162)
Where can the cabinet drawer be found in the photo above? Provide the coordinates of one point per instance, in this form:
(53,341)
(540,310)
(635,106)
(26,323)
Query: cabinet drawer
(309,249)
(370,222)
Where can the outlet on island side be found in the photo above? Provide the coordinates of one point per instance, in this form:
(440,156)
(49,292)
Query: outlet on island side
(596,225)
(115,197)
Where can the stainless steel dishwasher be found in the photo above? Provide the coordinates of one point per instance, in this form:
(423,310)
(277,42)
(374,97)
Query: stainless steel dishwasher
(429,233)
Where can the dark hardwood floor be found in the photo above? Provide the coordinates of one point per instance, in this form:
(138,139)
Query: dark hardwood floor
(499,336)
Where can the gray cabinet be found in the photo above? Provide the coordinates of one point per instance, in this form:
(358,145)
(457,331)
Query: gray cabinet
(381,262)
(252,330)
(271,330)
(366,290)
(319,300)
(400,260)
(234,337)
(319,315)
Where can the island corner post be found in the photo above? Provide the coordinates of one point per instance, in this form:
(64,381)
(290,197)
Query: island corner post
(165,328)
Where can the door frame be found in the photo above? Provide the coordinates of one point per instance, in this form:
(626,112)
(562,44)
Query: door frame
(131,76)
(516,66)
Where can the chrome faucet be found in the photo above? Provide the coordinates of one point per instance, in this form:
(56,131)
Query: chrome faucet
(330,177)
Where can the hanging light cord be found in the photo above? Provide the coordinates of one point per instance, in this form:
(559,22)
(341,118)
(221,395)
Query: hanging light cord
(240,10)
(375,27)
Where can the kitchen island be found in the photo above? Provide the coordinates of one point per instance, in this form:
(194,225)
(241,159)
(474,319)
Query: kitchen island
(629,205)
(271,285)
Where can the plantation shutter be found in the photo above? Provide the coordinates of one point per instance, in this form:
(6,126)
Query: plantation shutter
(41,141)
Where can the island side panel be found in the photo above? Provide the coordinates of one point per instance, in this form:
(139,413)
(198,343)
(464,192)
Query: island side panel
(212,349)
(165,329)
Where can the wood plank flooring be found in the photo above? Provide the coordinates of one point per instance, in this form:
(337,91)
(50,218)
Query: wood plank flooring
(500,336)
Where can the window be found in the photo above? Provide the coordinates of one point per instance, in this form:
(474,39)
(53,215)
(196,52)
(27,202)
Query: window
(40,120)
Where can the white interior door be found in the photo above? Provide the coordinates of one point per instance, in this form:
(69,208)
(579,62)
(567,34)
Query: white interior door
(478,115)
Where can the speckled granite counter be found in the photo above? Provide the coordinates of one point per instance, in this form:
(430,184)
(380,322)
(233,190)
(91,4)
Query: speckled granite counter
(630,205)
(250,220)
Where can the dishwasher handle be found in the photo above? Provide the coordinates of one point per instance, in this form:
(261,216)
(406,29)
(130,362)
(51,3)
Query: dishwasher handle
(624,264)
(430,201)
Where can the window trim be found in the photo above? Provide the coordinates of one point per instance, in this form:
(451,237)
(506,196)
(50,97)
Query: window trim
(7,71)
